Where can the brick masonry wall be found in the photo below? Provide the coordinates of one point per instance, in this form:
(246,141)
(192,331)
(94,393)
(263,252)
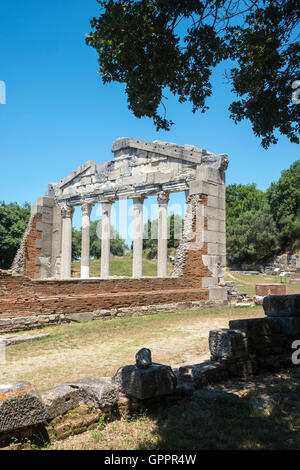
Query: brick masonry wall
(270,289)
(193,267)
(27,299)
(31,252)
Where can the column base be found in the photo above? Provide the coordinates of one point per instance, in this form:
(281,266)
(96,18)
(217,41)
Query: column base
(84,272)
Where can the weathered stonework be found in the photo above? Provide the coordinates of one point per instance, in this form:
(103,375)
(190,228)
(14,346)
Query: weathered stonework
(39,287)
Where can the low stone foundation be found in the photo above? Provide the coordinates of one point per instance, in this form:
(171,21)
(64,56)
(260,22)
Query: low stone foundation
(247,347)
(26,303)
(38,321)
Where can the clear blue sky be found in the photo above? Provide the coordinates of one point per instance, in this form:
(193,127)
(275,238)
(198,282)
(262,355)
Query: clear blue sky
(58,114)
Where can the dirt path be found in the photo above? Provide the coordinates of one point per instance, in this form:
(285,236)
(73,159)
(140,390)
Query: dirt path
(100,348)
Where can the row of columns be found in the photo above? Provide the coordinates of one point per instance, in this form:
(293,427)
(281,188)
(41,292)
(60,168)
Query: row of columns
(137,263)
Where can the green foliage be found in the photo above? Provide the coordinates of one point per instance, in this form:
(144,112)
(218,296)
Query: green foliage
(252,237)
(284,200)
(153,45)
(76,243)
(13,221)
(102,421)
(117,244)
(175,224)
(242,198)
(260,224)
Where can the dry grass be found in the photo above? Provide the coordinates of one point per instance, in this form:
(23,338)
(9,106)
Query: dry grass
(246,283)
(99,348)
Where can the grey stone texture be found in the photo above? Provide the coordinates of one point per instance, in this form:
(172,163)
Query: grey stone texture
(60,400)
(143,383)
(143,358)
(207,372)
(225,344)
(138,167)
(20,407)
(282,305)
(98,392)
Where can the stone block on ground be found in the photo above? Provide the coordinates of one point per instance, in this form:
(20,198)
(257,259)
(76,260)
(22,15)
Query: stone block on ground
(256,327)
(61,399)
(275,361)
(20,407)
(144,383)
(282,305)
(226,344)
(243,369)
(98,392)
(207,372)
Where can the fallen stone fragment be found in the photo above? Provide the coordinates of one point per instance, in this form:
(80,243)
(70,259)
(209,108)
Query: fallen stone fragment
(20,406)
(282,305)
(264,404)
(16,339)
(207,372)
(98,392)
(227,344)
(154,381)
(143,358)
(61,399)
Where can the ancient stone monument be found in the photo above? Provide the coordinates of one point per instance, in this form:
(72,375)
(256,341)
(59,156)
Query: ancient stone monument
(42,267)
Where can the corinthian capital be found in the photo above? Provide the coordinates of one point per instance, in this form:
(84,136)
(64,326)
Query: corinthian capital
(86,208)
(66,211)
(163,198)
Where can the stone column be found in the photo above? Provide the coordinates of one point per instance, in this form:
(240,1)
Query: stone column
(85,240)
(66,242)
(137,261)
(162,242)
(105,239)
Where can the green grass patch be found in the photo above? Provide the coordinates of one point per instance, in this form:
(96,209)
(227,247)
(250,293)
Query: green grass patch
(120,266)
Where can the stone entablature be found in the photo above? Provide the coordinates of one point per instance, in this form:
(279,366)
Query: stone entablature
(138,168)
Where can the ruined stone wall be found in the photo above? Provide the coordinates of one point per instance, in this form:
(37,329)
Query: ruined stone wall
(27,303)
(39,254)
(139,169)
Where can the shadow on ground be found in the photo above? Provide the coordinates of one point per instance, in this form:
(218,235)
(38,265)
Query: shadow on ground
(264,416)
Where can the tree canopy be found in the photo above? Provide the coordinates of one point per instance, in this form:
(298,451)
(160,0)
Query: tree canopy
(261,224)
(154,45)
(13,221)
(284,201)
(117,244)
(175,225)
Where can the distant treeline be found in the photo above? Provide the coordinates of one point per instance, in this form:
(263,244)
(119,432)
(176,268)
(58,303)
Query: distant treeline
(263,224)
(259,224)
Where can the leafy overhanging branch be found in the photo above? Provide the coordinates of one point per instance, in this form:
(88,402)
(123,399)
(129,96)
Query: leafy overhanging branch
(151,45)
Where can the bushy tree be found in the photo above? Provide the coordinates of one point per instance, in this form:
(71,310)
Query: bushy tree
(241,198)
(117,244)
(13,222)
(76,243)
(284,200)
(154,45)
(252,237)
(175,224)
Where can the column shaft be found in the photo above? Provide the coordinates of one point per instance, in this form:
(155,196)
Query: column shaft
(85,240)
(66,243)
(162,242)
(137,259)
(105,239)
